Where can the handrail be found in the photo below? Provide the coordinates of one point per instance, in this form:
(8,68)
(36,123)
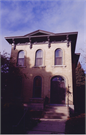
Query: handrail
(20,119)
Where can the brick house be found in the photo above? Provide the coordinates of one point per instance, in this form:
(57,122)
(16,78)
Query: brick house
(49,61)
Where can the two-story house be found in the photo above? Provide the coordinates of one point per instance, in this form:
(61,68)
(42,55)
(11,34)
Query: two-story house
(48,60)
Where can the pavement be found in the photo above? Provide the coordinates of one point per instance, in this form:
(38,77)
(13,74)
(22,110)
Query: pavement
(53,121)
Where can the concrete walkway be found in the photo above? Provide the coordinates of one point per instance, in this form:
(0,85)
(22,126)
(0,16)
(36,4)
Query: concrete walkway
(53,121)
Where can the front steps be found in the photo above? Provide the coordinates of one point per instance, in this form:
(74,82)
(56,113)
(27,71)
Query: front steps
(53,121)
(56,112)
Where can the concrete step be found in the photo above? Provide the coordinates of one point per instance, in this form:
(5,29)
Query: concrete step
(56,112)
(53,121)
(49,126)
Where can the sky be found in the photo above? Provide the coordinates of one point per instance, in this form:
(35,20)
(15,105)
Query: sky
(20,17)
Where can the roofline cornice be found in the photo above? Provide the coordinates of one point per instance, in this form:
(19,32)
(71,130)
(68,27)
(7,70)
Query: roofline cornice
(50,35)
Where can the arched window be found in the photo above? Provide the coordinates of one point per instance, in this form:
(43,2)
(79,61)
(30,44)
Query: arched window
(58,57)
(39,58)
(37,87)
(20,61)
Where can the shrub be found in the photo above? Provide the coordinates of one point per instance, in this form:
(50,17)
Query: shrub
(75,125)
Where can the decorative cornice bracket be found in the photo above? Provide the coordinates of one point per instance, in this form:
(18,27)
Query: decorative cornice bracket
(14,43)
(67,37)
(49,45)
(30,42)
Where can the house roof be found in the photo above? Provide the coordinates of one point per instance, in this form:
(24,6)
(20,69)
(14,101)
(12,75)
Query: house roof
(41,35)
(39,32)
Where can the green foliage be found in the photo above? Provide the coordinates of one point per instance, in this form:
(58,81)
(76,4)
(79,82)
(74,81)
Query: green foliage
(11,79)
(5,63)
(80,75)
(4,71)
(80,90)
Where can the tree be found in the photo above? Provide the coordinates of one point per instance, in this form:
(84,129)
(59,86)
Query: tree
(83,58)
(80,75)
(11,102)
(4,72)
(11,79)
(80,89)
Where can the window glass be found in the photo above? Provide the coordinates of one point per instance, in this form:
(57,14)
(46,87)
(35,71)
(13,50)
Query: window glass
(39,54)
(39,58)
(37,87)
(21,58)
(58,57)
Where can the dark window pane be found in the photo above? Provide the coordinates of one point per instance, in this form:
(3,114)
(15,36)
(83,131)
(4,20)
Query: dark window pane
(58,53)
(37,87)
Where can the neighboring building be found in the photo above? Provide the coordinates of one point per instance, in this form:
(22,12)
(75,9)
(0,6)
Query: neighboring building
(49,61)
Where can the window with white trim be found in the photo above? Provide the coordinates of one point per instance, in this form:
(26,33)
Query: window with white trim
(58,57)
(39,58)
(20,60)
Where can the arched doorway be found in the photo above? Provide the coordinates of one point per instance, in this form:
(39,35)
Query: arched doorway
(58,91)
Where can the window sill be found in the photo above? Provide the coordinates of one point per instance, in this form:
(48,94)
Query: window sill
(39,66)
(21,66)
(59,66)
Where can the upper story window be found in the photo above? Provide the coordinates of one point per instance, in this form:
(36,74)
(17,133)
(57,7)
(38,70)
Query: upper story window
(20,61)
(58,57)
(39,58)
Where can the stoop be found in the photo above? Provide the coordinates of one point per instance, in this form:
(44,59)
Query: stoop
(37,104)
(56,112)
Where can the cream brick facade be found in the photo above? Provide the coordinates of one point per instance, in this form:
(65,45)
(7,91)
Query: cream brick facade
(48,69)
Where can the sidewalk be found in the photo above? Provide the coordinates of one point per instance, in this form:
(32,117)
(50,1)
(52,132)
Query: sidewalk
(53,121)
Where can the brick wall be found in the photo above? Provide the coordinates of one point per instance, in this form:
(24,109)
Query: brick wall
(47,71)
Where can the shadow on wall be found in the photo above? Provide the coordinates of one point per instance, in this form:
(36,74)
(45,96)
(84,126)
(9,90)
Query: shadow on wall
(22,84)
(16,95)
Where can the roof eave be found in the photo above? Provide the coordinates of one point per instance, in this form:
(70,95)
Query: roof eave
(56,34)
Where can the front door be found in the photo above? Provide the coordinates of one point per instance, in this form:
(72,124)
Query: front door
(57,95)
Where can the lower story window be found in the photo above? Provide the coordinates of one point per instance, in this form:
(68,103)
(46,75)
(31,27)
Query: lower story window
(37,87)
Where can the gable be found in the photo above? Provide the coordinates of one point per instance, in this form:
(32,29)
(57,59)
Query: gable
(38,33)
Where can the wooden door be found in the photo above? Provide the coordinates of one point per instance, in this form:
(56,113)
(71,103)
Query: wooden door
(57,90)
